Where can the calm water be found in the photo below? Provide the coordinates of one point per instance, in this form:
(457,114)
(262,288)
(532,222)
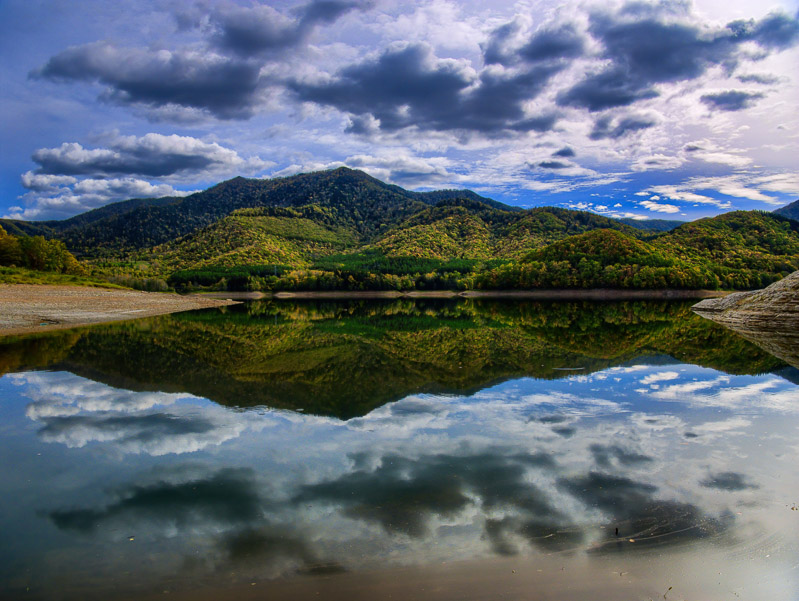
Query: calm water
(405,450)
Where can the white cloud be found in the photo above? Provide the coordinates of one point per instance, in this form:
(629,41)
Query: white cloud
(659,208)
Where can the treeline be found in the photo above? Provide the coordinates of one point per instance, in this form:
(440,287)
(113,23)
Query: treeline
(38,253)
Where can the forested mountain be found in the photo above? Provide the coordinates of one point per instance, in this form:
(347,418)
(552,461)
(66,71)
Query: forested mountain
(790,211)
(342,229)
(357,201)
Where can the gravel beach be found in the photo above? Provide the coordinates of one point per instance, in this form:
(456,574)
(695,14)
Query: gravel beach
(26,309)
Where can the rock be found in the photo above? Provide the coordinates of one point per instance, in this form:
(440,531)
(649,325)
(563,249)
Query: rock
(768,317)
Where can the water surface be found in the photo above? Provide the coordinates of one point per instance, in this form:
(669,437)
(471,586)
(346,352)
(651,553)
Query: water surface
(400,449)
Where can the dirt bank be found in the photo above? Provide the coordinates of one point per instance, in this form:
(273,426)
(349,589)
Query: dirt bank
(26,308)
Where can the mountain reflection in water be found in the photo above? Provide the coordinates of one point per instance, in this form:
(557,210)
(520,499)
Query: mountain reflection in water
(417,449)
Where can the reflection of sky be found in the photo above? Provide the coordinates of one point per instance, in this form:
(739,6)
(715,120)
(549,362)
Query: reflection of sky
(677,457)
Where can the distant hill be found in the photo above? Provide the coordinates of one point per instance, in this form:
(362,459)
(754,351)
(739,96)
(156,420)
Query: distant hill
(653,225)
(790,211)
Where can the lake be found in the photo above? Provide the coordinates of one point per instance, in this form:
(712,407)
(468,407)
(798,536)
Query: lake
(405,449)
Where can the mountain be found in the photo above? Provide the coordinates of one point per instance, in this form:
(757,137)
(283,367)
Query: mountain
(652,225)
(358,201)
(790,211)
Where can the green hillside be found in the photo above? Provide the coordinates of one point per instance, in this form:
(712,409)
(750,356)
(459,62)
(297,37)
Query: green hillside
(258,236)
(464,229)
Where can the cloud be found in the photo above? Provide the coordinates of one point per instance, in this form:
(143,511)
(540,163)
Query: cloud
(761,78)
(56,190)
(76,412)
(224,499)
(152,155)
(404,169)
(262,30)
(223,87)
(646,48)
(565,152)
(731,100)
(402,494)
(657,161)
(67,199)
(633,508)
(607,127)
(659,208)
(685,193)
(554,165)
(553,44)
(407,86)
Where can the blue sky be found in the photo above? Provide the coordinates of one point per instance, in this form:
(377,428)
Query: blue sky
(649,109)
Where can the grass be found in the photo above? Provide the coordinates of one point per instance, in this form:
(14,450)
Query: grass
(20,275)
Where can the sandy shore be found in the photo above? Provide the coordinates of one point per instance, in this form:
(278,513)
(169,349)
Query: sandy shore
(26,308)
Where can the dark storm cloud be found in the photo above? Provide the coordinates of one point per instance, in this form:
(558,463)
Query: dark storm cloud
(225,88)
(731,100)
(409,87)
(262,30)
(152,155)
(606,127)
(402,494)
(729,481)
(650,50)
(225,499)
(565,152)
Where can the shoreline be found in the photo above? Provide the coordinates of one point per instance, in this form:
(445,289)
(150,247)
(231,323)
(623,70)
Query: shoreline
(36,308)
(554,294)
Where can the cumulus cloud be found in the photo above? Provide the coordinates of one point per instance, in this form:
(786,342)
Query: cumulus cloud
(223,87)
(644,48)
(608,127)
(259,30)
(731,100)
(659,207)
(153,155)
(402,168)
(68,198)
(113,172)
(408,86)
(77,412)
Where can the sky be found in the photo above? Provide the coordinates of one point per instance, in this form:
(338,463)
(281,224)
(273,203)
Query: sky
(670,110)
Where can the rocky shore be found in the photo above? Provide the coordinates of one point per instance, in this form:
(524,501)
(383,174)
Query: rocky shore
(767,317)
